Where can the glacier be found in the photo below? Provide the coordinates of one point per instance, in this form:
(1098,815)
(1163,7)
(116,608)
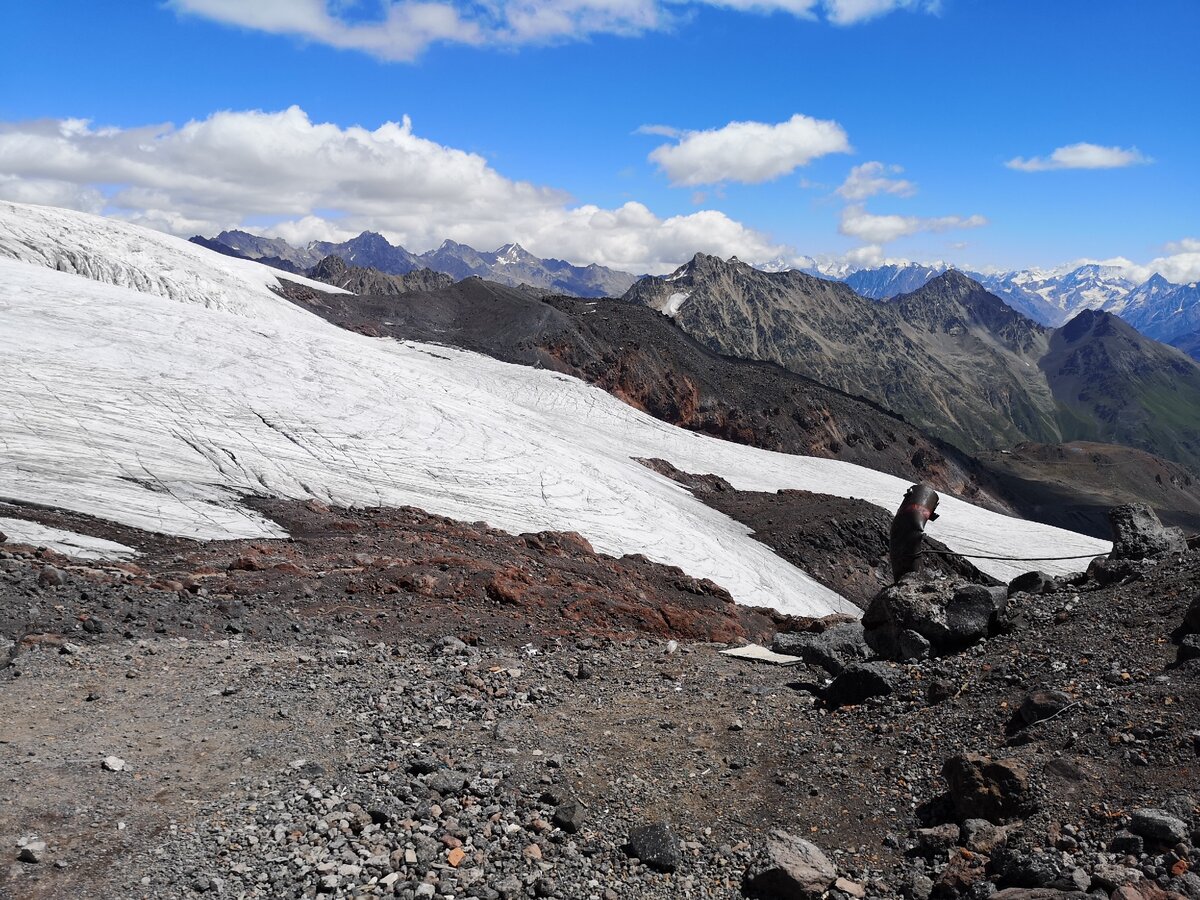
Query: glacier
(170,382)
(60,540)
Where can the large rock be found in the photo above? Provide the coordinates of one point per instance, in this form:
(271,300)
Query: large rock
(1137,533)
(1158,826)
(656,846)
(1032,583)
(1191,619)
(832,649)
(795,870)
(984,788)
(942,616)
(1041,705)
(861,681)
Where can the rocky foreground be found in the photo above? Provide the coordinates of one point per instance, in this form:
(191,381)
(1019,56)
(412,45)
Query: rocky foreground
(354,714)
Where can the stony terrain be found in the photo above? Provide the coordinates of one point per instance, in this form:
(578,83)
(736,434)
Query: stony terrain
(273,721)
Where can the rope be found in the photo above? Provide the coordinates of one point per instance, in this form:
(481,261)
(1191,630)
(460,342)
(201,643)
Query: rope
(1010,558)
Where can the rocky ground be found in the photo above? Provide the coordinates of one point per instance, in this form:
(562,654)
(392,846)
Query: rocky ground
(309,717)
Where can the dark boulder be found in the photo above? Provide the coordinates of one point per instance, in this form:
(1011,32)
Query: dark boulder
(916,618)
(832,649)
(1191,619)
(1189,648)
(1042,705)
(862,681)
(656,846)
(1138,533)
(1032,583)
(984,788)
(1158,826)
(569,816)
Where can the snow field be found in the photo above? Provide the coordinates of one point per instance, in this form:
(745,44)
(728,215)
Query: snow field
(161,400)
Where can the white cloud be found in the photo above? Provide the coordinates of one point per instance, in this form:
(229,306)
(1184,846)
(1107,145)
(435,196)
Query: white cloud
(659,130)
(875,229)
(1181,265)
(400,30)
(851,12)
(749,152)
(871,178)
(50,192)
(1081,156)
(238,167)
(1186,245)
(865,257)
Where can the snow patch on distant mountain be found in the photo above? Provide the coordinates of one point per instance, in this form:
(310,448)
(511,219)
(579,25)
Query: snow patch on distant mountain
(1162,310)
(890,281)
(675,303)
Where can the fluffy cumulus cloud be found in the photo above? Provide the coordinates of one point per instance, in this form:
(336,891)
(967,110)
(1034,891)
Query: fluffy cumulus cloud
(875,229)
(238,168)
(747,152)
(1081,156)
(871,178)
(1180,265)
(399,30)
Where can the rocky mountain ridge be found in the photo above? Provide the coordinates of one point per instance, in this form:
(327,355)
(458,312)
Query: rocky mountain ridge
(510,265)
(357,280)
(951,357)
(1156,307)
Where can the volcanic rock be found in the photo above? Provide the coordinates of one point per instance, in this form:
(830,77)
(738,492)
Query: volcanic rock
(832,649)
(948,616)
(1191,620)
(1189,648)
(1138,533)
(656,846)
(861,681)
(1042,705)
(1159,826)
(796,870)
(569,816)
(984,788)
(1031,583)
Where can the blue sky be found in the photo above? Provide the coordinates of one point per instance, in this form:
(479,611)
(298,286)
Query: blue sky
(526,117)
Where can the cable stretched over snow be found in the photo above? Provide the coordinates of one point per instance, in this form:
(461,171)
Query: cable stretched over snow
(1010,558)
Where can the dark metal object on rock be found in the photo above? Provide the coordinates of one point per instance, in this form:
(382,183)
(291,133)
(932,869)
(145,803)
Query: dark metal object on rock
(908,528)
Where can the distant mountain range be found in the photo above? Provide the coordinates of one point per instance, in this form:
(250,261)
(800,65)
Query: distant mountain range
(1157,308)
(511,265)
(951,356)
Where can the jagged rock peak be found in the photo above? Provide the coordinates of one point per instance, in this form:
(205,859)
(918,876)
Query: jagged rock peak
(329,267)
(1095,321)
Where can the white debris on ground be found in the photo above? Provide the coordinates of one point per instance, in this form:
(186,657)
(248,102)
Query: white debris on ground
(163,414)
